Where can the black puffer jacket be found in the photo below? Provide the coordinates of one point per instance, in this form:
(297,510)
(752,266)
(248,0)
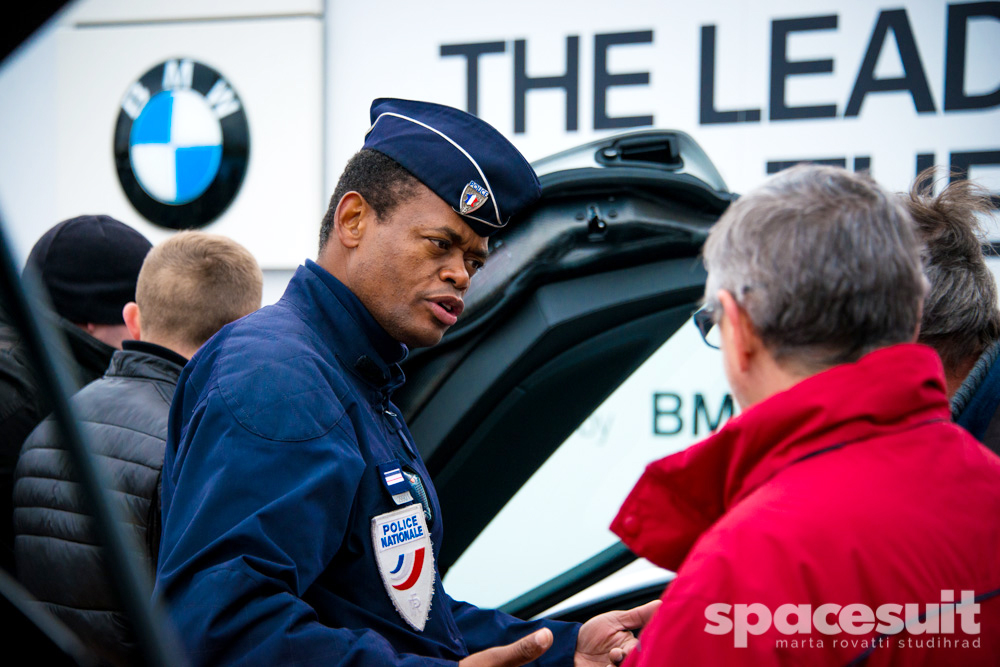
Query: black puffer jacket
(58,558)
(22,406)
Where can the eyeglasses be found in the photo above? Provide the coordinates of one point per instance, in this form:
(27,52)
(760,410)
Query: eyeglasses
(704,319)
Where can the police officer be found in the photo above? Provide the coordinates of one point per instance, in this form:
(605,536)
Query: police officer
(292,529)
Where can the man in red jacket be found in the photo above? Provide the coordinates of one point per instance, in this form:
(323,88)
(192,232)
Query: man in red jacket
(841,518)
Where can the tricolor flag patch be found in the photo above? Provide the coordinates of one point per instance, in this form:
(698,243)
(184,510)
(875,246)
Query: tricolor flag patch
(473,196)
(395,483)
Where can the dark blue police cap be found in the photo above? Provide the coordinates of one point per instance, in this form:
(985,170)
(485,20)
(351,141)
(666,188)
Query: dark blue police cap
(464,160)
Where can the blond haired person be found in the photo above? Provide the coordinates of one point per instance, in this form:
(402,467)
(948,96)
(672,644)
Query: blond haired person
(189,287)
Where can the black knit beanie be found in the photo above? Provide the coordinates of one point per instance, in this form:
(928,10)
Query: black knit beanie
(90,266)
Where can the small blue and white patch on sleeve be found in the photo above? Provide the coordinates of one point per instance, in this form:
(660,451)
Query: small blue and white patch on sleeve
(395,483)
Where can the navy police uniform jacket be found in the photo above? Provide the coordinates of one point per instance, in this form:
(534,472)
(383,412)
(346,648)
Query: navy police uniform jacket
(277,509)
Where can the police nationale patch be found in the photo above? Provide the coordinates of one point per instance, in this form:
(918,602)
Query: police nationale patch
(181,144)
(473,196)
(405,559)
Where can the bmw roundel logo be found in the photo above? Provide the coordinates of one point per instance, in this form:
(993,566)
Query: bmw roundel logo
(181,144)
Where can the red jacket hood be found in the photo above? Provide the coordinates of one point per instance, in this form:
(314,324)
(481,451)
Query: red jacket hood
(679,497)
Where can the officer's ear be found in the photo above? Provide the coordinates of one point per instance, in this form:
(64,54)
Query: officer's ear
(352,218)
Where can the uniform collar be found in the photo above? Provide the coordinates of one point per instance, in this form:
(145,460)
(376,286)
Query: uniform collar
(363,345)
(92,354)
(146,360)
(679,497)
(975,402)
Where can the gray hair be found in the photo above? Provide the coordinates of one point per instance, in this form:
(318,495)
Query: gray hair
(825,262)
(960,317)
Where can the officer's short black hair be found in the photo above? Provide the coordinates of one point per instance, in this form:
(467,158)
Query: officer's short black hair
(378,178)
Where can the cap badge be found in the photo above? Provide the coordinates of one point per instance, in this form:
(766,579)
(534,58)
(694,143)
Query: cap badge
(473,196)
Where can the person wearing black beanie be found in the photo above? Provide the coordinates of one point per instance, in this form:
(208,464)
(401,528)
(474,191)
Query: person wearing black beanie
(89,266)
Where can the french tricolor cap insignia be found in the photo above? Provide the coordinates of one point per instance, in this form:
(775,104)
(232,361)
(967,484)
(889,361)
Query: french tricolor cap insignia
(473,196)
(395,483)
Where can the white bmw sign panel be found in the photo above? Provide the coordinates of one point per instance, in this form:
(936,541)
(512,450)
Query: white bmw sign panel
(176,125)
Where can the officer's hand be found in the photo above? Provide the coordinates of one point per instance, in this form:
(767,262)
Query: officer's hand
(519,653)
(607,639)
